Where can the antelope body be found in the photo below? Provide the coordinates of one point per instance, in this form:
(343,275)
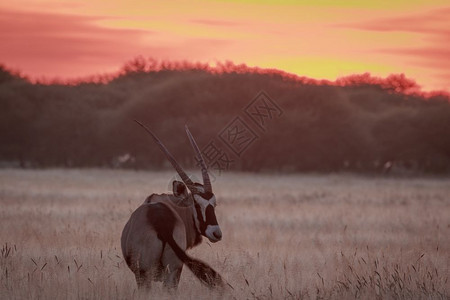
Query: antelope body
(155,239)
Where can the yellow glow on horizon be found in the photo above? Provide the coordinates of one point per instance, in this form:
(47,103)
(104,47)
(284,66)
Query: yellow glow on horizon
(326,68)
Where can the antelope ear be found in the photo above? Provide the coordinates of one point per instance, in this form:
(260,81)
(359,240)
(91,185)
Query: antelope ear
(179,189)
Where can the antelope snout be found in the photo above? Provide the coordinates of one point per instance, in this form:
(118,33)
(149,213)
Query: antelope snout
(218,234)
(213,233)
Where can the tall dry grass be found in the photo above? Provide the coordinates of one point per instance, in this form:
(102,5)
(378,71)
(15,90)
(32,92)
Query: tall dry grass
(285,236)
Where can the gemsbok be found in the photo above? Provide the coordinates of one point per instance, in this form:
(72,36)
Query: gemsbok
(158,233)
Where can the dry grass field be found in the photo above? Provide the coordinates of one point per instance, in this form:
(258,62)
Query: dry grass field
(285,237)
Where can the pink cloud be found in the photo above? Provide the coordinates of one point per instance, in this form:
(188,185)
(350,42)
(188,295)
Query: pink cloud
(39,43)
(425,56)
(42,44)
(436,22)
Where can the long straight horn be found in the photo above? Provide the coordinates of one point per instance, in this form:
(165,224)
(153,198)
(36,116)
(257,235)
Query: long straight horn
(169,156)
(206,180)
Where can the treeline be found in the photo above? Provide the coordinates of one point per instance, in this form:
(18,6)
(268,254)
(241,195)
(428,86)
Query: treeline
(304,127)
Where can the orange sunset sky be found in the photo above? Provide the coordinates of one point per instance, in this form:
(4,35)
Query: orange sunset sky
(322,39)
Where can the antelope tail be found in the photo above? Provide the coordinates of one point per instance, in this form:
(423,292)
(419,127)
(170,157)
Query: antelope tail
(205,273)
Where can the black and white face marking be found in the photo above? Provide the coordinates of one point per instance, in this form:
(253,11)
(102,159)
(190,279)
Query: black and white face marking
(206,216)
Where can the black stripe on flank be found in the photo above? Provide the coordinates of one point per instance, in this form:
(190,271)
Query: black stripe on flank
(162,219)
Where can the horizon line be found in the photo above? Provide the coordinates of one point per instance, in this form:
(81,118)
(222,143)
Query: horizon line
(396,82)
